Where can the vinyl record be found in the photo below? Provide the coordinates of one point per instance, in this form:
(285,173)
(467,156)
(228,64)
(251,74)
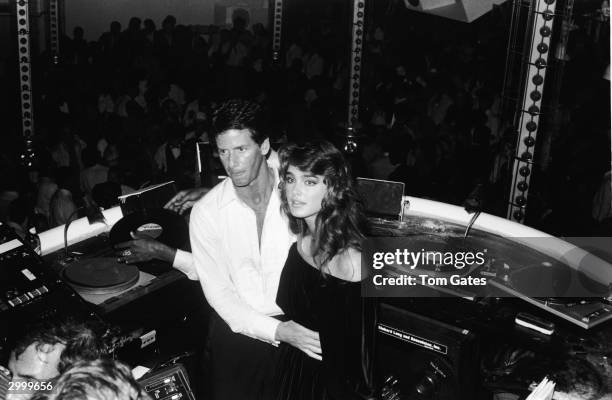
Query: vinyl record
(162,225)
(100,275)
(557,284)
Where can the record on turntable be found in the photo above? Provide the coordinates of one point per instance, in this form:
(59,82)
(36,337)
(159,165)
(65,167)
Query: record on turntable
(557,283)
(162,225)
(100,275)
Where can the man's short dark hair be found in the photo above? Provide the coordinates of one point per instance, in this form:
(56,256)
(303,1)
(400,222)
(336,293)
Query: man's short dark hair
(240,114)
(81,339)
(101,379)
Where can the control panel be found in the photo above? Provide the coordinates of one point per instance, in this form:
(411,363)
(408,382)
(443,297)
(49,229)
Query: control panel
(30,291)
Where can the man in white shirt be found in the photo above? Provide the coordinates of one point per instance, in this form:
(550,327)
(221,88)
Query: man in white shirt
(240,240)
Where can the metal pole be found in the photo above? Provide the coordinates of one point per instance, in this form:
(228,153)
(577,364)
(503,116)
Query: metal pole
(54,30)
(277,30)
(25,81)
(538,49)
(355,71)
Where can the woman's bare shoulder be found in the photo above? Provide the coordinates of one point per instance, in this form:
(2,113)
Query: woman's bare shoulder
(347,265)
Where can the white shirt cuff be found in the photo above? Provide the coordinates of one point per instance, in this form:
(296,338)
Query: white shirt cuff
(183,261)
(269,327)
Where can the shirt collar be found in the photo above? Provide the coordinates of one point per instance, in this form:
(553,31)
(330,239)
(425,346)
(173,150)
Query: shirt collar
(228,192)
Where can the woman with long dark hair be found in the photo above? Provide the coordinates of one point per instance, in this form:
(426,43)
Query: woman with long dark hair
(319,287)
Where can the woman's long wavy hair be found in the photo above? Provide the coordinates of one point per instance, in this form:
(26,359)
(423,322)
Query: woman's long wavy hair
(340,222)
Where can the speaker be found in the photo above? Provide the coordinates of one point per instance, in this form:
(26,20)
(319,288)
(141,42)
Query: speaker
(418,357)
(459,10)
(424,5)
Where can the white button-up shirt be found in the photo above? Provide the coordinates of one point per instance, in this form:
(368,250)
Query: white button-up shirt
(239,277)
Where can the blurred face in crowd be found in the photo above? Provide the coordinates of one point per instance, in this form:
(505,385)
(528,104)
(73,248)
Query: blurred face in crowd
(36,362)
(400,71)
(258,65)
(143,86)
(379,34)
(241,156)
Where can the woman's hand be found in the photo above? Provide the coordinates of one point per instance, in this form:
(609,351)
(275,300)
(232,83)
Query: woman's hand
(300,337)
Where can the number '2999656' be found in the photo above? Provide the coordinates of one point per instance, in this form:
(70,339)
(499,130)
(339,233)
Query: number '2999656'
(29,386)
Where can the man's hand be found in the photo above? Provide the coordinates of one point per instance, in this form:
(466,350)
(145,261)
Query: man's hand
(143,250)
(185,199)
(299,337)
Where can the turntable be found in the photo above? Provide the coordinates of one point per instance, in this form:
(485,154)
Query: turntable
(100,276)
(145,303)
(547,274)
(102,281)
(552,274)
(560,290)
(109,285)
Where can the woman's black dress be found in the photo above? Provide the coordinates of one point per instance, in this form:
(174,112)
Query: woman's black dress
(333,308)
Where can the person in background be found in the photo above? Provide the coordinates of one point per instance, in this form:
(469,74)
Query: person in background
(45,191)
(62,203)
(100,379)
(18,217)
(50,348)
(94,172)
(106,194)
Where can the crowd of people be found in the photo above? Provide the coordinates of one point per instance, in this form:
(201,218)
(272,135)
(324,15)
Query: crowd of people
(126,111)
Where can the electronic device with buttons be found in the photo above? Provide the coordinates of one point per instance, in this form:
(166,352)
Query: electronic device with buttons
(30,291)
(169,383)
